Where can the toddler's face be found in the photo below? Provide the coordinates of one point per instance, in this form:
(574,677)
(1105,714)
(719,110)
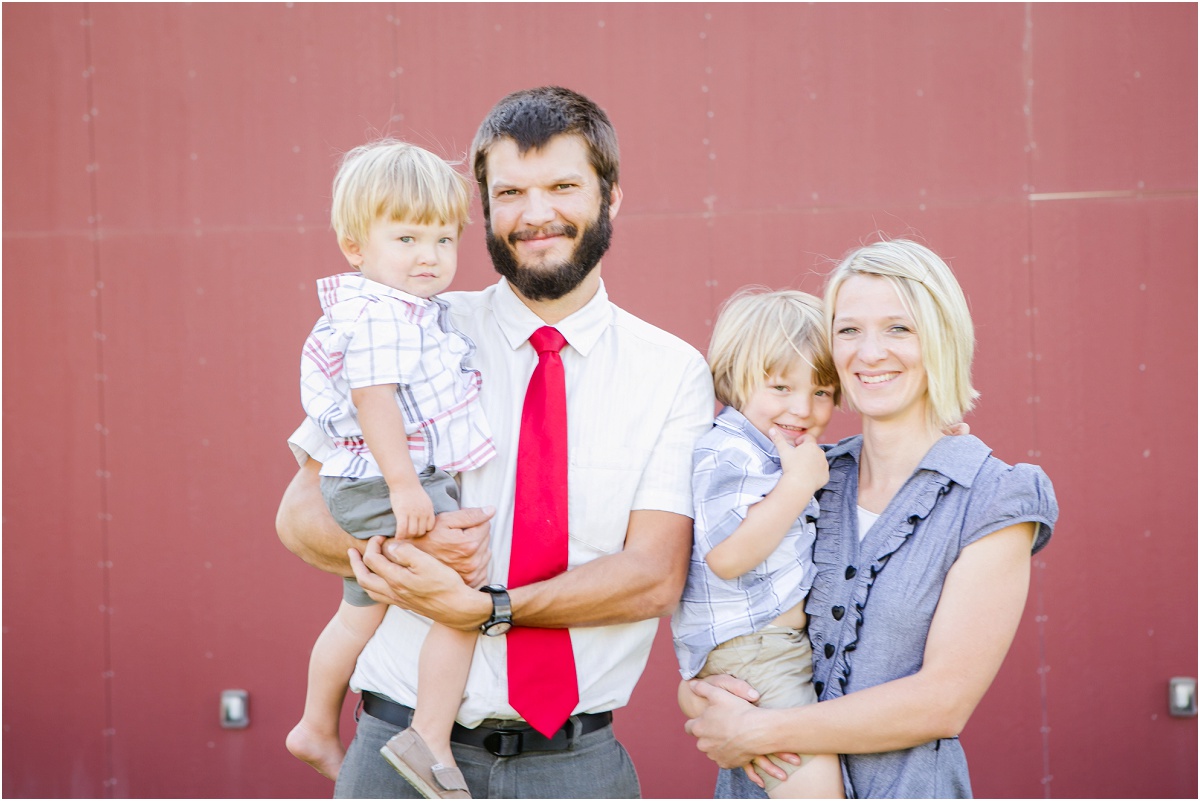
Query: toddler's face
(416,258)
(792,402)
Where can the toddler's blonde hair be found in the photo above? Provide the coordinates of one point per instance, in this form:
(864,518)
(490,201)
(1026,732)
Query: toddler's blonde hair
(396,181)
(759,333)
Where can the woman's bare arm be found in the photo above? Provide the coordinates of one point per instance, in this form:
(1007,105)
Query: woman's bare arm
(989,582)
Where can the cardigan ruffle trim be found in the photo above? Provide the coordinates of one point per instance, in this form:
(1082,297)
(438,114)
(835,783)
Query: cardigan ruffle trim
(827,556)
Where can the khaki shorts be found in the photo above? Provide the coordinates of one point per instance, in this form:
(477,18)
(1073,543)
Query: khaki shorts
(777,662)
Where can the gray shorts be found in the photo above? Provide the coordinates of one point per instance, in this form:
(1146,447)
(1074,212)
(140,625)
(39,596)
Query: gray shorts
(363,507)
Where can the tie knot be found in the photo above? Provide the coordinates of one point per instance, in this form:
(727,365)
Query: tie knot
(547,340)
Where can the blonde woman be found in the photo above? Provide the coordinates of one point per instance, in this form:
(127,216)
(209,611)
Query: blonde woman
(922,551)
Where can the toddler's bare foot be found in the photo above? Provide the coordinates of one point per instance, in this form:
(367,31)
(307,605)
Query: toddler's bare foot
(323,751)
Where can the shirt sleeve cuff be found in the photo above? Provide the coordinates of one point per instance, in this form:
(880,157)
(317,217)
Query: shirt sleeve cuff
(310,442)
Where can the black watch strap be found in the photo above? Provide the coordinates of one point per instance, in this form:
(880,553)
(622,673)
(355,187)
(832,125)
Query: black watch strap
(501,619)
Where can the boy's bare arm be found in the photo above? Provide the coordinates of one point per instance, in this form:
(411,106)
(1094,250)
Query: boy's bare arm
(768,521)
(383,429)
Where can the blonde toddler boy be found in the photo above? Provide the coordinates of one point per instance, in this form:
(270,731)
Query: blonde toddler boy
(383,375)
(756,470)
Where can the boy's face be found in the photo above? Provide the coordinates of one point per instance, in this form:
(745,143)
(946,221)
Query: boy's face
(791,402)
(416,258)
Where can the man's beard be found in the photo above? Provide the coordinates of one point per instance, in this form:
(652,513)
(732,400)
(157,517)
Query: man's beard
(552,282)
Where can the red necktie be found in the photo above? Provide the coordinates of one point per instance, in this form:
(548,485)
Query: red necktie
(541,665)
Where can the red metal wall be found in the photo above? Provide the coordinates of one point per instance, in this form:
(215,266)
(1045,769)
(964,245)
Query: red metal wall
(166,182)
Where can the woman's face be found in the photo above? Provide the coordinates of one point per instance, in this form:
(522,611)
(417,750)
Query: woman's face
(877,351)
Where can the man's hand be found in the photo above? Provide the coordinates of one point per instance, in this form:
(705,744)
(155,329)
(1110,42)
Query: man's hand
(461,541)
(413,580)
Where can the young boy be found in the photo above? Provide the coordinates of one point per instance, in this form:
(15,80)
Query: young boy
(756,470)
(383,375)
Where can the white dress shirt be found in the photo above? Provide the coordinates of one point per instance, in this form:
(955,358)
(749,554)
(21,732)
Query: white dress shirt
(637,400)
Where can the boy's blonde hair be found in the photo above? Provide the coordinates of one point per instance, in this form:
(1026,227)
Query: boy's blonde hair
(936,302)
(399,182)
(759,333)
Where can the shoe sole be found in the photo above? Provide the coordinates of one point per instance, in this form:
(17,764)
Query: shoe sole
(419,784)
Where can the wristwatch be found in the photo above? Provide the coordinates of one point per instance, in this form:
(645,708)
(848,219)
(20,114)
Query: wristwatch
(501,620)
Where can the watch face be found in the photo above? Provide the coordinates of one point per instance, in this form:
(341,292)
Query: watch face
(498,628)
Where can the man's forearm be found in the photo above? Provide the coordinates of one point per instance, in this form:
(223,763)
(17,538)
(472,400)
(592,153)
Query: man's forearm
(642,581)
(307,529)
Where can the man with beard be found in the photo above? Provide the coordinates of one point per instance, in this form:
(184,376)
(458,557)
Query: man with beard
(636,399)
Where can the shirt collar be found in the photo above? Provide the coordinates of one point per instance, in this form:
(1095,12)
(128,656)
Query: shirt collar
(582,329)
(731,419)
(957,458)
(345,286)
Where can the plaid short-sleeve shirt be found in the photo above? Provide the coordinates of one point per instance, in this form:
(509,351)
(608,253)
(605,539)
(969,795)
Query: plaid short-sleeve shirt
(735,467)
(373,334)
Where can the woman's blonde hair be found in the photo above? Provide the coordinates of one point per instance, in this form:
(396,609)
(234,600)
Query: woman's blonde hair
(936,302)
(759,333)
(396,181)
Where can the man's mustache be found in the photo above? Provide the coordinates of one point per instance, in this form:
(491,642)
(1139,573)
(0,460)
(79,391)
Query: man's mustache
(566,229)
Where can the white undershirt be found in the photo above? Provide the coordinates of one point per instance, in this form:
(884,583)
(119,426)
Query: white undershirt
(865,521)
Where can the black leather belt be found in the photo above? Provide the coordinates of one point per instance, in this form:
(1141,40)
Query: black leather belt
(505,742)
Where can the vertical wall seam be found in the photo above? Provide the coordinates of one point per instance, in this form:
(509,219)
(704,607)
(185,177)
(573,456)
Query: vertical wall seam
(396,96)
(102,472)
(709,201)
(1038,566)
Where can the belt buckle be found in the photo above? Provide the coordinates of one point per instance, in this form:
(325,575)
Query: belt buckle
(505,742)
(511,742)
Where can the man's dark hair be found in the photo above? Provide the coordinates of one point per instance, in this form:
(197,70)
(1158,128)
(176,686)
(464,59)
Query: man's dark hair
(532,117)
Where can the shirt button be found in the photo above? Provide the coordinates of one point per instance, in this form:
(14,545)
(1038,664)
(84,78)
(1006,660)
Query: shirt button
(829,650)
(851,572)
(838,611)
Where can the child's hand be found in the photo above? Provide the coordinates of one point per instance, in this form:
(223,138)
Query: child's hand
(805,462)
(413,510)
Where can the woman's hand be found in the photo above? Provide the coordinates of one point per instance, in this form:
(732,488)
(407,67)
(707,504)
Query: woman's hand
(725,729)
(693,704)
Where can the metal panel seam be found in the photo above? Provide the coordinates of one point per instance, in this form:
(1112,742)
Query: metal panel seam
(104,515)
(1038,565)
